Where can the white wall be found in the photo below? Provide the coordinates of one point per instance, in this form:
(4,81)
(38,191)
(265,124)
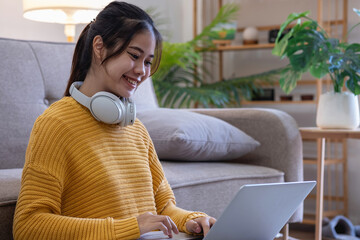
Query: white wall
(179,15)
(13,25)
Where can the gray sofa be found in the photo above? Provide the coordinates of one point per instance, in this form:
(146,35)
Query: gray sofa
(34,74)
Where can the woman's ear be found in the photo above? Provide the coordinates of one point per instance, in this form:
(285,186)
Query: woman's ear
(98,48)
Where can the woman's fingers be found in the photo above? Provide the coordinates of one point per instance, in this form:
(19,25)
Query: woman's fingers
(193,226)
(169,225)
(205,224)
(173,226)
(208,223)
(200,224)
(212,221)
(162,227)
(149,222)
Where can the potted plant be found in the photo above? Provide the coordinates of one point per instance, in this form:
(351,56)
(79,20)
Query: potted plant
(179,81)
(309,49)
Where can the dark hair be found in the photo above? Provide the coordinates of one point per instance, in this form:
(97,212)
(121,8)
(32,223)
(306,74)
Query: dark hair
(117,22)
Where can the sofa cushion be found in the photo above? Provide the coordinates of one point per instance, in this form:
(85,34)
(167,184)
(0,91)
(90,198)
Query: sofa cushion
(33,75)
(214,184)
(20,102)
(145,97)
(183,135)
(10,181)
(55,67)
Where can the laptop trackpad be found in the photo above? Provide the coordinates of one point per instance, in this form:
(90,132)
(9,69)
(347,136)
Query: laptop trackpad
(160,236)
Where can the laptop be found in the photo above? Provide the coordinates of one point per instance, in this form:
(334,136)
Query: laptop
(257,212)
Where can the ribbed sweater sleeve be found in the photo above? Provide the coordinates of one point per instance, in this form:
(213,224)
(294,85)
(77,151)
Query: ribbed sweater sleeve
(39,217)
(39,209)
(164,196)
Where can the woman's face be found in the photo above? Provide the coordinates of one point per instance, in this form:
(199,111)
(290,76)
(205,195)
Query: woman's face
(122,74)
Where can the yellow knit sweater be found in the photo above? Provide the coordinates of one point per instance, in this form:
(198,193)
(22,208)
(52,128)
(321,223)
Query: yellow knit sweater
(83,179)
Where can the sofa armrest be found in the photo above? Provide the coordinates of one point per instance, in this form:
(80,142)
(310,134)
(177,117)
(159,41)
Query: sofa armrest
(278,133)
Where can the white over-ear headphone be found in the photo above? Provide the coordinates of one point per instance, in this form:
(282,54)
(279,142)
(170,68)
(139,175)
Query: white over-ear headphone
(105,106)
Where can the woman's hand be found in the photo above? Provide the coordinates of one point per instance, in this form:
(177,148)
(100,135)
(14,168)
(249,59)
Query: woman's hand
(150,222)
(201,224)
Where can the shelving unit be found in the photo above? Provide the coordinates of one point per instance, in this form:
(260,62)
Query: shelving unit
(335,160)
(327,24)
(335,163)
(330,201)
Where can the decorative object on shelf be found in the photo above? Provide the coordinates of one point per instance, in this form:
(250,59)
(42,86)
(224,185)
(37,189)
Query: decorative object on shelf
(250,35)
(307,97)
(286,98)
(223,31)
(265,94)
(274,32)
(310,49)
(67,12)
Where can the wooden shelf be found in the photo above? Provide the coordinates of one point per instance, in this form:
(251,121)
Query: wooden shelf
(308,221)
(265,28)
(327,198)
(309,218)
(327,161)
(302,82)
(276,102)
(244,47)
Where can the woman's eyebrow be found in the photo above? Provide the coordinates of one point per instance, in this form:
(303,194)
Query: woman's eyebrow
(140,50)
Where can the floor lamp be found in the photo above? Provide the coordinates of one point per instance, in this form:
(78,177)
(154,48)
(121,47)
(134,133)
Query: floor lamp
(67,12)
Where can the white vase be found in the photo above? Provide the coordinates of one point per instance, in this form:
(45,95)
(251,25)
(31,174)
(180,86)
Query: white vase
(338,110)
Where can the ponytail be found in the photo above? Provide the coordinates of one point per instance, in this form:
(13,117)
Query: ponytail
(80,63)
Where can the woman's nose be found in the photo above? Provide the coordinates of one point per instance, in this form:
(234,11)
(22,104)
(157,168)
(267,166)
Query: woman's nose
(140,69)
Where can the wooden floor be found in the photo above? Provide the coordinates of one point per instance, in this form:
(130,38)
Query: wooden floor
(302,235)
(302,232)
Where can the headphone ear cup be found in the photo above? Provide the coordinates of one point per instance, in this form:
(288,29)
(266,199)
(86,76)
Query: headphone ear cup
(130,112)
(107,108)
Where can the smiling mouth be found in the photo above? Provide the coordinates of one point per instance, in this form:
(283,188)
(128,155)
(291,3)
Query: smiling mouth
(133,82)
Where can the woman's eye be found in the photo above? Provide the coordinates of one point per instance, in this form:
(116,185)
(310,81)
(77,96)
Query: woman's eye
(148,63)
(133,55)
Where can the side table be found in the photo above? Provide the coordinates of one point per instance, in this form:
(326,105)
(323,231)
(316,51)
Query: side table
(320,135)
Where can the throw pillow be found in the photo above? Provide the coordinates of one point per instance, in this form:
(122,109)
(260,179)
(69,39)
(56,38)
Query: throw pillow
(184,135)
(145,97)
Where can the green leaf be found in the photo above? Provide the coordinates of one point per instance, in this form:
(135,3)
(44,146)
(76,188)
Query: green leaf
(353,84)
(354,48)
(357,11)
(292,17)
(280,46)
(288,79)
(226,13)
(319,69)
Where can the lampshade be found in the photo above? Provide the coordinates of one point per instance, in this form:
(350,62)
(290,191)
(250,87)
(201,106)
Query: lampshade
(68,12)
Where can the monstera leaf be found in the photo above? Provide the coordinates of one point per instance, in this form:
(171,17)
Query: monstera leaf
(309,49)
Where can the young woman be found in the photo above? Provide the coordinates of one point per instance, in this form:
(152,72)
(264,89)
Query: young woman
(88,179)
